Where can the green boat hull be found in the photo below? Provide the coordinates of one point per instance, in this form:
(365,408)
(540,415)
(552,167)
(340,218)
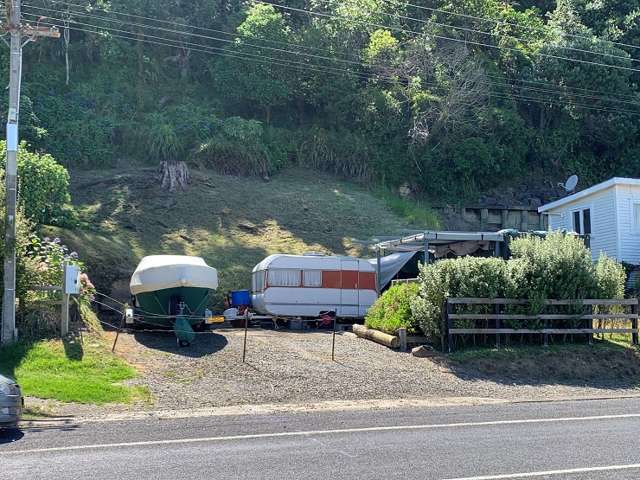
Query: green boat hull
(161,306)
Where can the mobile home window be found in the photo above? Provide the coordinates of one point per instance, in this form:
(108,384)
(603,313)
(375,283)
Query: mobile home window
(258,281)
(284,278)
(312,278)
(582,221)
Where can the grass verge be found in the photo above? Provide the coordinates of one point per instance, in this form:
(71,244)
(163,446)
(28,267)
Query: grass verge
(71,371)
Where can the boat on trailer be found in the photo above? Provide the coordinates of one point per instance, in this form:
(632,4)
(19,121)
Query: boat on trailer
(172,291)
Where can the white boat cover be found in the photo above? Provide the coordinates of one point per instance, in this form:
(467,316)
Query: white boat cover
(159,272)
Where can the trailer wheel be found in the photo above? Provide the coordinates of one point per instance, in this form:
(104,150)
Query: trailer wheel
(182,343)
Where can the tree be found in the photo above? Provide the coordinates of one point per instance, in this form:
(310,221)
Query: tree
(255,75)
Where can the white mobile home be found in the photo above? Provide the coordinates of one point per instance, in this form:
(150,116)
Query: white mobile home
(305,285)
(607,213)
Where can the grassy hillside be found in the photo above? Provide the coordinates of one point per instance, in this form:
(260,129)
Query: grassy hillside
(233,222)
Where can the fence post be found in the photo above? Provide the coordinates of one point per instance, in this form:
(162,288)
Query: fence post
(496,310)
(402,335)
(448,309)
(443,327)
(590,324)
(634,324)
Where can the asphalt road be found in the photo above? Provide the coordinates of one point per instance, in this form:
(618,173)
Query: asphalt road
(596,439)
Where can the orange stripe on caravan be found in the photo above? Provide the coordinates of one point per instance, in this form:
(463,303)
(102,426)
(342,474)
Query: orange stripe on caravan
(349,279)
(331,279)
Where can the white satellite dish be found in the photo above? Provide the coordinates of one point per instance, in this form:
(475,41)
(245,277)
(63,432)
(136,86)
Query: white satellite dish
(571,184)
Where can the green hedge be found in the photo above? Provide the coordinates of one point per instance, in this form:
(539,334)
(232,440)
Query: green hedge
(461,277)
(558,266)
(392,310)
(43,190)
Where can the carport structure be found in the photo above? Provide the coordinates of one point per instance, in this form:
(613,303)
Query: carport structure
(440,244)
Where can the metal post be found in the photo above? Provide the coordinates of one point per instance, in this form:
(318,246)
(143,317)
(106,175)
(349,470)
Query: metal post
(426,250)
(11,175)
(402,335)
(246,329)
(333,344)
(378,271)
(64,313)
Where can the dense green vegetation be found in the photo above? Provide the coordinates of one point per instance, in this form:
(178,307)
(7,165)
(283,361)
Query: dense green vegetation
(392,310)
(449,97)
(556,267)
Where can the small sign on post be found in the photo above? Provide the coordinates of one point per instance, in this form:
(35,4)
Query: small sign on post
(70,286)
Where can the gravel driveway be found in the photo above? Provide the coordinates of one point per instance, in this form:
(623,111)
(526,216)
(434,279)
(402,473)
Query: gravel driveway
(292,367)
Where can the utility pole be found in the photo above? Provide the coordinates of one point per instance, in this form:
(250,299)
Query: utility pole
(17,31)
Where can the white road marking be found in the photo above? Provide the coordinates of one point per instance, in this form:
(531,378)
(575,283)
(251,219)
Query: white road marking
(180,441)
(548,473)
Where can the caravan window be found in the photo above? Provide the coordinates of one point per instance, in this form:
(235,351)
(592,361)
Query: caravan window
(312,278)
(258,281)
(284,278)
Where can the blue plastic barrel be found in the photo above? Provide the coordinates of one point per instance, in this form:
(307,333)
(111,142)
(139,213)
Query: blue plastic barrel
(240,298)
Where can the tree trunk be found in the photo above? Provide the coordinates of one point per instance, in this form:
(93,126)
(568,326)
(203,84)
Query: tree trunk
(174,175)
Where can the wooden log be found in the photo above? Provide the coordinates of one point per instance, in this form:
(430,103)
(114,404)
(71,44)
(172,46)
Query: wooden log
(379,337)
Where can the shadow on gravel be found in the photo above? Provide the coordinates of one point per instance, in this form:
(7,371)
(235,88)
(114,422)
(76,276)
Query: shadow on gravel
(10,435)
(205,343)
(604,365)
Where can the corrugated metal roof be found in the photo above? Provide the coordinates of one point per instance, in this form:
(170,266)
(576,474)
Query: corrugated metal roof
(416,242)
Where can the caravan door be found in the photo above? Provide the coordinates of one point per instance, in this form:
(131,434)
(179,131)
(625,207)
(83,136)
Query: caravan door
(349,300)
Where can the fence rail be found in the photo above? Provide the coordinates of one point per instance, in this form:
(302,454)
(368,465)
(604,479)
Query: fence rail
(404,280)
(496,319)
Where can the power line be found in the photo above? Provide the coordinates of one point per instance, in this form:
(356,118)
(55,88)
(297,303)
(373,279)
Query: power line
(442,37)
(588,90)
(224,40)
(324,69)
(491,34)
(169,22)
(505,22)
(214,50)
(264,39)
(262,59)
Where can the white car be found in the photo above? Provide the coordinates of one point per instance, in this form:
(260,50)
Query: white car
(11,403)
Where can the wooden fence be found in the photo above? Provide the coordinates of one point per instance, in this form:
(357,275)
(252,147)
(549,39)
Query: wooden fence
(496,319)
(404,280)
